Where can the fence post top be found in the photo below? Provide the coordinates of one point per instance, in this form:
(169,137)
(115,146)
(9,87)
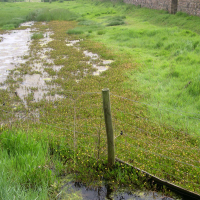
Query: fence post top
(105,89)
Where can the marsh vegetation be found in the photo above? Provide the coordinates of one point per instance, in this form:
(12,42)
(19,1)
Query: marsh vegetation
(148,59)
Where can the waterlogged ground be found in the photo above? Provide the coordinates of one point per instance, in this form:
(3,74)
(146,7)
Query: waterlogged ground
(13,46)
(58,80)
(35,66)
(34,70)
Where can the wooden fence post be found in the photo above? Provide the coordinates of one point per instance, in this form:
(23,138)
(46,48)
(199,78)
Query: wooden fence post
(109,127)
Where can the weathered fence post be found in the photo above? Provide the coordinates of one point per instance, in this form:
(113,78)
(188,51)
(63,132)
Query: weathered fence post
(109,127)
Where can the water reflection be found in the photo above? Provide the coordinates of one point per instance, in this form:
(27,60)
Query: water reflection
(12,47)
(80,191)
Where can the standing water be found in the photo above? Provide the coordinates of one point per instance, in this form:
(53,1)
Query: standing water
(76,190)
(13,46)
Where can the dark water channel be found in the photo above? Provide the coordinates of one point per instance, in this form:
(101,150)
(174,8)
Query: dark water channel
(78,191)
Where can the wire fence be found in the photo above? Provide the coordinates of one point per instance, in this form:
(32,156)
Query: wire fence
(77,118)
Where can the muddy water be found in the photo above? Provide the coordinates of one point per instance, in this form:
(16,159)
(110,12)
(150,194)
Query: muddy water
(13,46)
(99,68)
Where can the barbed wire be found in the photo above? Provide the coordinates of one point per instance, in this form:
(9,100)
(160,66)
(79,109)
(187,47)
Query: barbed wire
(96,128)
(94,148)
(147,119)
(151,105)
(105,149)
(117,110)
(142,130)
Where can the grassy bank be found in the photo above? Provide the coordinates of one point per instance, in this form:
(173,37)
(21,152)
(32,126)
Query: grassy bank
(166,50)
(154,63)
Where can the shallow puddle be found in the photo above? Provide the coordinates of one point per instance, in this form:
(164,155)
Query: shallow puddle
(12,47)
(72,42)
(76,190)
(107,62)
(100,67)
(44,41)
(93,56)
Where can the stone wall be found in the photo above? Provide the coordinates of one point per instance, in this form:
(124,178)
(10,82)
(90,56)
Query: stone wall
(191,7)
(153,4)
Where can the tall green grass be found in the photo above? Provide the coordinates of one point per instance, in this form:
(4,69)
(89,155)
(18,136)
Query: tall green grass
(24,167)
(169,59)
(47,14)
(13,14)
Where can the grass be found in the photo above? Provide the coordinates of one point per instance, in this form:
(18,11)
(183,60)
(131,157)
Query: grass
(23,166)
(139,130)
(12,14)
(168,59)
(37,36)
(155,68)
(41,161)
(166,50)
(47,14)
(75,31)
(116,20)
